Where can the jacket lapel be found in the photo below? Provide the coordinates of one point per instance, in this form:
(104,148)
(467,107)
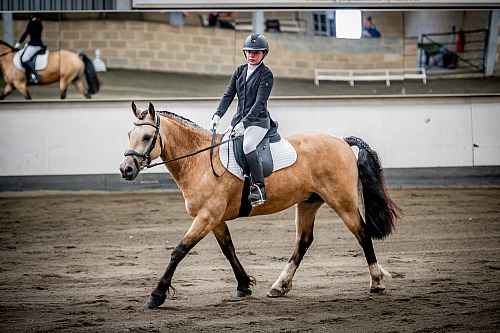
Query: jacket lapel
(242,78)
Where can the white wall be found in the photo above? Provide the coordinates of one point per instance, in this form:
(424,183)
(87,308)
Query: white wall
(89,137)
(418,22)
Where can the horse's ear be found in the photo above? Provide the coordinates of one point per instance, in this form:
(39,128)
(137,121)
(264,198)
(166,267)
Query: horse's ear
(151,110)
(137,112)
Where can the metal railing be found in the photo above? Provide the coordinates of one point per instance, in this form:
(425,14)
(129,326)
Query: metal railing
(457,49)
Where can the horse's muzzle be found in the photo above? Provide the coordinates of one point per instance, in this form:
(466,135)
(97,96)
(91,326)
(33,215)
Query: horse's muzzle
(128,169)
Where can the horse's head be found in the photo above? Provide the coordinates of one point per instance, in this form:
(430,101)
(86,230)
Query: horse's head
(145,142)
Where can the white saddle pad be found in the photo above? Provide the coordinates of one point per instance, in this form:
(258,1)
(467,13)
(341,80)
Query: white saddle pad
(282,152)
(40,63)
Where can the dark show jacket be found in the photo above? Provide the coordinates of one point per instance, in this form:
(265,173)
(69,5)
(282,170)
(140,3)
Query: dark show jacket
(252,96)
(34,29)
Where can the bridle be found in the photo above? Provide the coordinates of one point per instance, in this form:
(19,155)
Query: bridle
(147,155)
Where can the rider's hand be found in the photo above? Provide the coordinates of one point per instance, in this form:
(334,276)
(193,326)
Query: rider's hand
(239,129)
(17,45)
(214,123)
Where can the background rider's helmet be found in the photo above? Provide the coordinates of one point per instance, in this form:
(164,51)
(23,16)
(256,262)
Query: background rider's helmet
(256,42)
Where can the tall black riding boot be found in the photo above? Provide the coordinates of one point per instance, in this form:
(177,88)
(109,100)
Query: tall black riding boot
(257,194)
(34,77)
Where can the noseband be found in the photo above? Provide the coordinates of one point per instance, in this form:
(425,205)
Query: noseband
(146,156)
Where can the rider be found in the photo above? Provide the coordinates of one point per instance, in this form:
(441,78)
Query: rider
(34,29)
(252,83)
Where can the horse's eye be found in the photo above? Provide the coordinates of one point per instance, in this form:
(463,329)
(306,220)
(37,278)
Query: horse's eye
(146,138)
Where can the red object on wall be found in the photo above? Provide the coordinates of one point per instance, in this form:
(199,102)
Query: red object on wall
(461,41)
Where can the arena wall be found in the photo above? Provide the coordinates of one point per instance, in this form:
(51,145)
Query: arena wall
(82,137)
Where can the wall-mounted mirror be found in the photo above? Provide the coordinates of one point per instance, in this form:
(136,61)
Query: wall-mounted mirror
(193,54)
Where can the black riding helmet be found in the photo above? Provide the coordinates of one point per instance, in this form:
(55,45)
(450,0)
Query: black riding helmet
(256,42)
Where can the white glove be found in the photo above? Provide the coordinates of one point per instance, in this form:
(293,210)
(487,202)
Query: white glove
(17,45)
(214,123)
(239,129)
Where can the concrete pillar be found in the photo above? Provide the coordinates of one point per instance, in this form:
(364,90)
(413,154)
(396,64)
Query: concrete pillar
(177,18)
(8,28)
(258,21)
(123,5)
(492,50)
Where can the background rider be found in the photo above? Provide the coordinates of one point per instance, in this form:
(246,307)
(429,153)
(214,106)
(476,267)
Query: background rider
(34,30)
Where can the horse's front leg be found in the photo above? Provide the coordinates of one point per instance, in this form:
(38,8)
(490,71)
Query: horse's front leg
(245,281)
(200,227)
(7,90)
(305,213)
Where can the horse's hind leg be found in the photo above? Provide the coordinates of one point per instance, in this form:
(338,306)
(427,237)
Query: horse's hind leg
(305,212)
(81,88)
(245,281)
(63,86)
(349,213)
(377,274)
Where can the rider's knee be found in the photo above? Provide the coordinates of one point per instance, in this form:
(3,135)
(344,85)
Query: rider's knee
(248,146)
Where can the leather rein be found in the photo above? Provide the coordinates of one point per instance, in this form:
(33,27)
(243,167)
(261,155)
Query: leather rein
(147,156)
(4,54)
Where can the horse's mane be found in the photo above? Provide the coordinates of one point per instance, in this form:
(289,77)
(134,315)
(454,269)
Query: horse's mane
(7,44)
(184,120)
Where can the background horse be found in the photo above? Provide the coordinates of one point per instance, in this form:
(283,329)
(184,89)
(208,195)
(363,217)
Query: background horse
(63,66)
(326,171)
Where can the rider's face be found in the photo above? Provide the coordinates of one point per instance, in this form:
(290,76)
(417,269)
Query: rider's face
(254,57)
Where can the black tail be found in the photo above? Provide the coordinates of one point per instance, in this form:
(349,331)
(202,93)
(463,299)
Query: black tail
(91,75)
(380,211)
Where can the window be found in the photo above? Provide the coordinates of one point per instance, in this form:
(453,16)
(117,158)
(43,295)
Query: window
(348,24)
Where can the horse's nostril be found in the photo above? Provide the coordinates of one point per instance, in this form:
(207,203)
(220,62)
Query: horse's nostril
(128,170)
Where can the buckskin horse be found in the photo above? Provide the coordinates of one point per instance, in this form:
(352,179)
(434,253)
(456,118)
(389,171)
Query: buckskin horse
(63,66)
(326,171)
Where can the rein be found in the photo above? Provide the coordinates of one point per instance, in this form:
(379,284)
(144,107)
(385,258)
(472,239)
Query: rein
(4,54)
(149,166)
(146,156)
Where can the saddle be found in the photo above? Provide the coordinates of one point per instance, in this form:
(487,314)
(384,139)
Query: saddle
(275,152)
(263,150)
(39,61)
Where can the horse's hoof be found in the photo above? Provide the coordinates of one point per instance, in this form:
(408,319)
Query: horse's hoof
(378,290)
(155,301)
(275,293)
(242,293)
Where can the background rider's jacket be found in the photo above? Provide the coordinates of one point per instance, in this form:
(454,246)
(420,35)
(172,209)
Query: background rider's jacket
(252,96)
(34,29)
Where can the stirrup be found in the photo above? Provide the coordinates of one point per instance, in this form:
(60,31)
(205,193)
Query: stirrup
(256,203)
(33,79)
(261,199)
